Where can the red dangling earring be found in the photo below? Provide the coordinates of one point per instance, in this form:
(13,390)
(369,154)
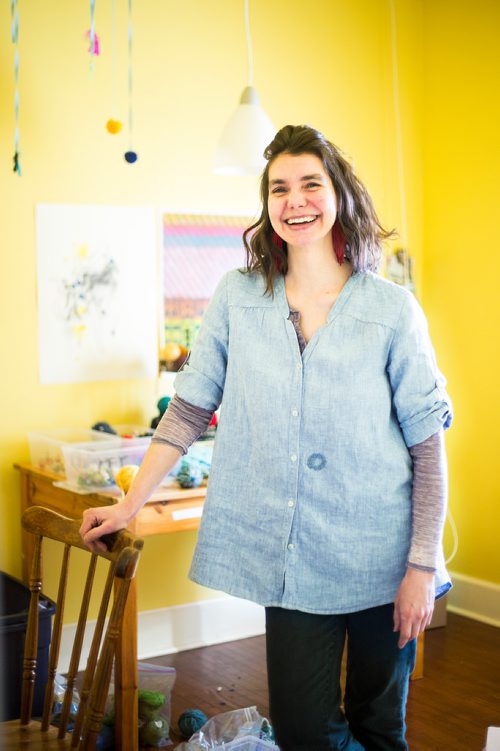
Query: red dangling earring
(277,240)
(339,242)
(278,243)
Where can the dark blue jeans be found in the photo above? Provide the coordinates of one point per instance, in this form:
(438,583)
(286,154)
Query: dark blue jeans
(304,655)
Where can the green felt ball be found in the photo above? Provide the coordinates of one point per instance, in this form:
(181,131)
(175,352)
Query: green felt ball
(153,732)
(191,721)
(150,703)
(153,698)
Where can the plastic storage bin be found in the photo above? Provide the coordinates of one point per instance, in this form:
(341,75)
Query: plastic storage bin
(93,466)
(46,447)
(14,605)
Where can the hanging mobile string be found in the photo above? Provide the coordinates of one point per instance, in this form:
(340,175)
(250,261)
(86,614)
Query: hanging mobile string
(92,36)
(113,126)
(113,56)
(130,72)
(130,155)
(14,12)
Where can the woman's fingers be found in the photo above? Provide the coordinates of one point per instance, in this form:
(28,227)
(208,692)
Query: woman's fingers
(413,605)
(410,628)
(98,522)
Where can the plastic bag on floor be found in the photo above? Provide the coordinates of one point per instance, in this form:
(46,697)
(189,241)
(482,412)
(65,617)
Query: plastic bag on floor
(155,684)
(238,730)
(60,687)
(155,689)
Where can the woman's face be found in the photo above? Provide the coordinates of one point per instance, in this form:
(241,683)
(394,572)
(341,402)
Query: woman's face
(301,203)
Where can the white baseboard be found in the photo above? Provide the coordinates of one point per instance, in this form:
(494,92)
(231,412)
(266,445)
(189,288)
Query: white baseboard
(198,624)
(174,629)
(475,598)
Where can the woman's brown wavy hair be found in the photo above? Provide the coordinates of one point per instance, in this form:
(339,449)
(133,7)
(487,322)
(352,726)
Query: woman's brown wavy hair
(355,210)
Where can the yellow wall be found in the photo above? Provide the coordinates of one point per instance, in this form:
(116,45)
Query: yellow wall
(462,259)
(326,63)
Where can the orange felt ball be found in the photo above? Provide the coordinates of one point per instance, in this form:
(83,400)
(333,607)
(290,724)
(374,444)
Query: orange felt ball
(114,126)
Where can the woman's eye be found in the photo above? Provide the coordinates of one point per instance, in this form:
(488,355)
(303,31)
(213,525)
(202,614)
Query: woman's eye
(312,185)
(278,189)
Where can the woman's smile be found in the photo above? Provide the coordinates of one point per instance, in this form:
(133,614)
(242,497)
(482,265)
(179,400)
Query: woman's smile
(301,221)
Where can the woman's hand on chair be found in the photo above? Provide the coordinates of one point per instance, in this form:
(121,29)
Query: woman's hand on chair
(101,521)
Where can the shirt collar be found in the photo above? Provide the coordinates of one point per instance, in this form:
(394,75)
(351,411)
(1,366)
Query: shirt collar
(345,293)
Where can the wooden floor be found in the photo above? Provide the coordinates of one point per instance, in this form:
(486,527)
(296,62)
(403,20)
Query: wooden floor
(448,710)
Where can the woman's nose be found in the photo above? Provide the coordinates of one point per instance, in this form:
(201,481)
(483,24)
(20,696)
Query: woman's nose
(296,198)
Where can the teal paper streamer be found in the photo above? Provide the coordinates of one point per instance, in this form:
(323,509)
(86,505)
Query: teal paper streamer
(92,33)
(14,12)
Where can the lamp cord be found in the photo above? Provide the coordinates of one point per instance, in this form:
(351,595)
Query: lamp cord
(454,533)
(249,45)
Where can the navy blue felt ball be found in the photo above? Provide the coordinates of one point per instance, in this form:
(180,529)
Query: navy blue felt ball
(191,721)
(130,157)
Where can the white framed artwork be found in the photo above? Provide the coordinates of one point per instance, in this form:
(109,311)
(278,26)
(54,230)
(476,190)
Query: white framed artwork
(97,275)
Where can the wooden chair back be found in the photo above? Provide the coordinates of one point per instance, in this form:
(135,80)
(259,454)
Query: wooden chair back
(123,555)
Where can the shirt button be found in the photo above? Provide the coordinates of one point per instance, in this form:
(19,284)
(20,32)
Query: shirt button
(295,412)
(291,503)
(293,457)
(290,546)
(298,365)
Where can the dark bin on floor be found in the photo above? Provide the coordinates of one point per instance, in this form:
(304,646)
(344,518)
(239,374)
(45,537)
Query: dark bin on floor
(14,606)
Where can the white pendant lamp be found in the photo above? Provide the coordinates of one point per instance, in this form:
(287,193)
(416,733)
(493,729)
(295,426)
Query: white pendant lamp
(248,131)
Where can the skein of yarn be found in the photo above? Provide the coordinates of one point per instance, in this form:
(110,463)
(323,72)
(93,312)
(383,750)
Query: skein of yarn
(191,721)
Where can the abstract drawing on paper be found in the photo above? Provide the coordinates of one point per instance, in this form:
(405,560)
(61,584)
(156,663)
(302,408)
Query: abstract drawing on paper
(97,293)
(197,252)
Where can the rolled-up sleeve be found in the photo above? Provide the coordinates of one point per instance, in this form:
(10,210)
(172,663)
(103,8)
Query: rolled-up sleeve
(419,396)
(201,379)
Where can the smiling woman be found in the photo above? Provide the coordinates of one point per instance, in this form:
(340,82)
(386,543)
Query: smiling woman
(326,496)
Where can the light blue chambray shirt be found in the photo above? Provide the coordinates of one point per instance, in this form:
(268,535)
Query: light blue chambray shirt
(309,500)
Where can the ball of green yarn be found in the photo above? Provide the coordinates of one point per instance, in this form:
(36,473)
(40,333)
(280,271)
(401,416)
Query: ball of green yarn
(191,721)
(163,404)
